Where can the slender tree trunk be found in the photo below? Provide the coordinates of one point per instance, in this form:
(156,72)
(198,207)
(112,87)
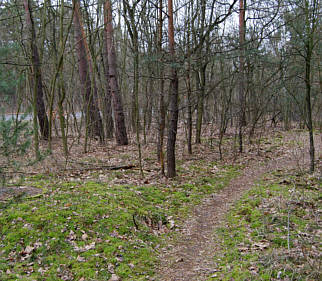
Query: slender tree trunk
(173,100)
(129,16)
(36,75)
(107,97)
(308,59)
(62,92)
(162,109)
(120,129)
(189,109)
(201,73)
(242,117)
(189,92)
(201,83)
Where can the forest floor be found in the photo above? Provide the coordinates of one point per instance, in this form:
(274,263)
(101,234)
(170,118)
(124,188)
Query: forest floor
(92,216)
(193,255)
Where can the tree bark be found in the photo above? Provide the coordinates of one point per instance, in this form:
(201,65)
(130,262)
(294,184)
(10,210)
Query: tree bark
(162,109)
(308,59)
(188,83)
(129,17)
(173,100)
(189,110)
(120,129)
(107,97)
(201,84)
(242,117)
(36,74)
(93,117)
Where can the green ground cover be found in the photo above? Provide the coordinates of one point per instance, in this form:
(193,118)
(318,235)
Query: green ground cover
(89,230)
(273,232)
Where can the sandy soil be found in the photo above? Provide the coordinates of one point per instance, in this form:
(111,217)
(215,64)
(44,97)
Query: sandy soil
(191,256)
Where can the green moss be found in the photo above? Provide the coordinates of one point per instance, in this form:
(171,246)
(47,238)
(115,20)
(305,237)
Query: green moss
(122,221)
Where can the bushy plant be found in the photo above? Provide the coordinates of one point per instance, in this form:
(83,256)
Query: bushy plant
(15,139)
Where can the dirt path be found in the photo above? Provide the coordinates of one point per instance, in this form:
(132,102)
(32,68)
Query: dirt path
(191,258)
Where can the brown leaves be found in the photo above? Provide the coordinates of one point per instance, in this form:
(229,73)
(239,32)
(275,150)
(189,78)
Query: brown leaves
(262,245)
(80,259)
(114,278)
(254,246)
(29,249)
(85,248)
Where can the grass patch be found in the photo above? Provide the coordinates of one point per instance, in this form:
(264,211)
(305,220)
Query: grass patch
(273,232)
(92,229)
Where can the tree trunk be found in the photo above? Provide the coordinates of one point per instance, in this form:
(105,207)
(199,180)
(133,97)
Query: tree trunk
(188,83)
(308,58)
(129,16)
(93,117)
(173,100)
(62,92)
(107,97)
(189,109)
(36,74)
(120,129)
(162,109)
(201,84)
(242,117)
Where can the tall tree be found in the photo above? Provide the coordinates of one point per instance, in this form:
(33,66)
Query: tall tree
(173,99)
(162,108)
(120,129)
(39,105)
(188,79)
(202,66)
(304,24)
(93,117)
(107,96)
(311,12)
(242,116)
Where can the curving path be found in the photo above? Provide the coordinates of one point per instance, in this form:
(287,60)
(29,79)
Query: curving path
(191,258)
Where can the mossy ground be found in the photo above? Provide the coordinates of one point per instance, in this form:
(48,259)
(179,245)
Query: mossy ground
(90,229)
(273,232)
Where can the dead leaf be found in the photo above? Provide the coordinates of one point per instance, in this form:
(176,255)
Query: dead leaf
(261,245)
(114,278)
(80,259)
(90,246)
(72,235)
(243,249)
(28,250)
(110,268)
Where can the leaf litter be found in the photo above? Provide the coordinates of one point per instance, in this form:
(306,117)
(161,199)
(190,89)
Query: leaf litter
(123,227)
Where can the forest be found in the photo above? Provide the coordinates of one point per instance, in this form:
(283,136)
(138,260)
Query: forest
(160,140)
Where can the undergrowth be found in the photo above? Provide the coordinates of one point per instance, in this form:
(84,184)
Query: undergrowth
(273,232)
(89,230)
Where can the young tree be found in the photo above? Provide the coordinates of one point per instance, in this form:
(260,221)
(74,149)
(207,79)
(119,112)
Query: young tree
(305,38)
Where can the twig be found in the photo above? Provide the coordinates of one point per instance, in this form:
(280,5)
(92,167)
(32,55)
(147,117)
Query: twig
(135,224)
(124,167)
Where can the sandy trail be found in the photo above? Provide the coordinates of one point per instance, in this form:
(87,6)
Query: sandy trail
(191,258)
